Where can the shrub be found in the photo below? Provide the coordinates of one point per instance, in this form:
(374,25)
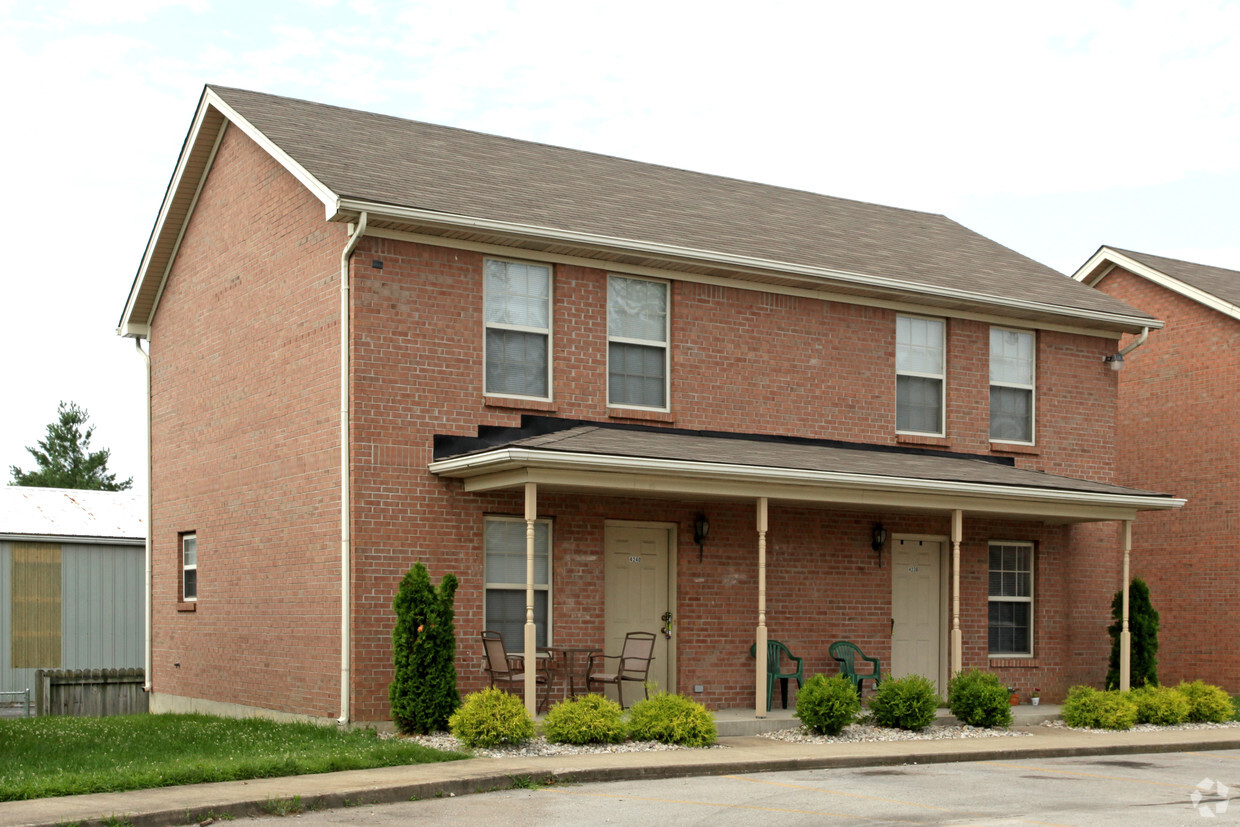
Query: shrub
(1087,707)
(423,691)
(1143,628)
(1161,705)
(980,699)
(491,717)
(1206,703)
(588,719)
(905,703)
(672,719)
(827,705)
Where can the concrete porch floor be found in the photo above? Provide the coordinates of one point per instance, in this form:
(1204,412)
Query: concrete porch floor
(739,722)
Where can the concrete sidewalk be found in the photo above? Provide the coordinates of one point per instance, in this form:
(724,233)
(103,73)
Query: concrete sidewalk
(737,754)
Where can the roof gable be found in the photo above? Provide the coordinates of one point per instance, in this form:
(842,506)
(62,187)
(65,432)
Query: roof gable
(442,180)
(1215,287)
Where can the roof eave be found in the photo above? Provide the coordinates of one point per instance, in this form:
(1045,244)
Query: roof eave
(507,467)
(1101,263)
(348,208)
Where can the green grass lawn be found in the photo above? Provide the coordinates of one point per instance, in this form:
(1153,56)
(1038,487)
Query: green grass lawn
(50,756)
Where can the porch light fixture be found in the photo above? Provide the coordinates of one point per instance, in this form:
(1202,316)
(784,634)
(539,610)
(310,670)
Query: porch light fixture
(1116,361)
(701,528)
(878,539)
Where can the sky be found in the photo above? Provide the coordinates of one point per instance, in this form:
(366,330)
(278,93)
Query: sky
(1051,127)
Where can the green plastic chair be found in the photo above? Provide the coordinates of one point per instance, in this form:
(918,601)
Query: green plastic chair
(774,653)
(847,654)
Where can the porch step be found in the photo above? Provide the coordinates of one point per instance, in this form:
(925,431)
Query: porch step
(733,723)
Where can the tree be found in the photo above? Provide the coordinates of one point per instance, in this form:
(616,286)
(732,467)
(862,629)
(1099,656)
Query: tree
(1143,626)
(65,459)
(423,693)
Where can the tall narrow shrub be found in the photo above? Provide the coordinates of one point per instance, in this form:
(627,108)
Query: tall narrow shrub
(423,693)
(1143,625)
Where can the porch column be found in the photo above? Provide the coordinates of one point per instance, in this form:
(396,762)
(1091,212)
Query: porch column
(531,635)
(759,708)
(957,638)
(1125,637)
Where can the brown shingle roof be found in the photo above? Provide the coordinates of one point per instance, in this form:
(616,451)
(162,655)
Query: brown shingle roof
(1218,281)
(385,160)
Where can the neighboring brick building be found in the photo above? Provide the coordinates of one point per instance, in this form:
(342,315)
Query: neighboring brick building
(1178,424)
(611,350)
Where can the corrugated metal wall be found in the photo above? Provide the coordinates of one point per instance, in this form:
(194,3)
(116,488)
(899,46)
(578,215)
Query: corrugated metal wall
(100,617)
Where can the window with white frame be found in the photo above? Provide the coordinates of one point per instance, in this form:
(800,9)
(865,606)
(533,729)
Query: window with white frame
(1011,385)
(637,321)
(518,328)
(189,567)
(1011,598)
(505,579)
(920,375)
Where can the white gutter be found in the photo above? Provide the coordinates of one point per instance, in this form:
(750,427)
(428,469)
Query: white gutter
(146,584)
(346,561)
(510,458)
(346,205)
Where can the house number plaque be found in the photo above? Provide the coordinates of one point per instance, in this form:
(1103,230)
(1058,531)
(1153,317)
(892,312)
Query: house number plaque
(635,559)
(914,568)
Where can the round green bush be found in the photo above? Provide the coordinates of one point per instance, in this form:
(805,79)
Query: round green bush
(491,717)
(1207,703)
(588,719)
(905,703)
(1087,707)
(979,698)
(1161,705)
(672,719)
(827,705)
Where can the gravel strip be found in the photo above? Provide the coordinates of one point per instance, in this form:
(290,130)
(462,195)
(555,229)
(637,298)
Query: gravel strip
(541,746)
(868,732)
(1144,727)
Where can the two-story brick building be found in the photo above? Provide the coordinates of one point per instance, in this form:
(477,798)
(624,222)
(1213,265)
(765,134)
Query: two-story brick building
(1178,396)
(552,369)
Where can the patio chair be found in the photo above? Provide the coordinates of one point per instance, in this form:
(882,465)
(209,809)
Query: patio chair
(847,654)
(775,651)
(508,673)
(633,665)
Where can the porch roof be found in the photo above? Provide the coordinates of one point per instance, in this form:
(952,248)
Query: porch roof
(695,465)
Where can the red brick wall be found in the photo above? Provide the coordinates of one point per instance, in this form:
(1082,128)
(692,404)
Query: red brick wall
(1178,433)
(245,425)
(245,395)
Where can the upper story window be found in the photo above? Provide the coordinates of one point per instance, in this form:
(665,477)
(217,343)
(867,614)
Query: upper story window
(920,375)
(189,567)
(518,329)
(637,321)
(1011,385)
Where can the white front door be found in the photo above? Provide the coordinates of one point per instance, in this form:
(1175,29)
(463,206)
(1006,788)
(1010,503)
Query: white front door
(916,616)
(636,596)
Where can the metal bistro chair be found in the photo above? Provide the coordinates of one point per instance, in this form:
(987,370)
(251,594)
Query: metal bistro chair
(504,669)
(633,665)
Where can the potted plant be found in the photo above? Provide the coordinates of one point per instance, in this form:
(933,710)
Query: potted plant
(1035,696)
(1015,696)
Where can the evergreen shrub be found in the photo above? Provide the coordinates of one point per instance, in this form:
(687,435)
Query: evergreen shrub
(491,717)
(1207,703)
(905,703)
(672,719)
(1160,705)
(827,705)
(1087,707)
(980,699)
(587,719)
(423,691)
(1143,629)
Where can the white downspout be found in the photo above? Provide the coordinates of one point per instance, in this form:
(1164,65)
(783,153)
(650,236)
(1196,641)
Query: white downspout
(146,583)
(1136,343)
(346,564)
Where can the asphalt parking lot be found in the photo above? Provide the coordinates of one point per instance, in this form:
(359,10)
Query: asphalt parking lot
(1162,789)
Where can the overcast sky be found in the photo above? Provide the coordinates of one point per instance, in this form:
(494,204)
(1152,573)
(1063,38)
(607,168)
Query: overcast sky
(1052,127)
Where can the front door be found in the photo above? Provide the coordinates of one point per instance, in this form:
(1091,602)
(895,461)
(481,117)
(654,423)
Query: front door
(915,608)
(636,597)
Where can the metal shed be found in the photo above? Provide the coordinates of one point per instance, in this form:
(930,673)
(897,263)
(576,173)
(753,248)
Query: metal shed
(71,573)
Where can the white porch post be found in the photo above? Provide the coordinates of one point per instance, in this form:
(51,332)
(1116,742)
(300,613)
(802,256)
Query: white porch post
(1125,637)
(957,638)
(759,704)
(531,636)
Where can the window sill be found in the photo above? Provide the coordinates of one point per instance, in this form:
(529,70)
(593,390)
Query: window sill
(1014,448)
(1020,661)
(918,439)
(638,413)
(187,606)
(524,404)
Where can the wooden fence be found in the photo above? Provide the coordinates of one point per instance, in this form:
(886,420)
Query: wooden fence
(89,692)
